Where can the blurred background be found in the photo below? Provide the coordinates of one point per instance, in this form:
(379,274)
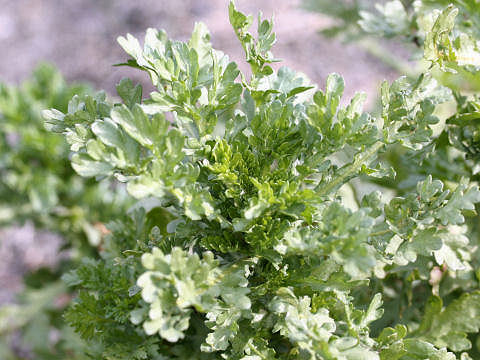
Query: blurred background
(79,37)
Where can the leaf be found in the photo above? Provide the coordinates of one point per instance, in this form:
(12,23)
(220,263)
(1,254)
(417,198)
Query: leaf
(130,94)
(88,168)
(392,19)
(438,36)
(449,326)
(374,311)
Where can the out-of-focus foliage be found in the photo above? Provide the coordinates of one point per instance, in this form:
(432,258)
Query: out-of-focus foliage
(37,182)
(345,14)
(38,185)
(242,244)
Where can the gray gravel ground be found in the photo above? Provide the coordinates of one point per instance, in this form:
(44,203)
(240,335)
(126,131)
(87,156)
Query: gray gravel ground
(79,37)
(22,249)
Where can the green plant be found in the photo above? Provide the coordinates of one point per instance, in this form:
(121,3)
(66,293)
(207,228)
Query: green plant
(37,182)
(244,243)
(39,186)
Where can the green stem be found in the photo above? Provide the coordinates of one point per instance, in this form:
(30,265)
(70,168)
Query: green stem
(348,171)
(380,233)
(256,351)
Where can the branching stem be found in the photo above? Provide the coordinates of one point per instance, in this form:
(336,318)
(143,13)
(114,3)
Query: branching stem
(350,170)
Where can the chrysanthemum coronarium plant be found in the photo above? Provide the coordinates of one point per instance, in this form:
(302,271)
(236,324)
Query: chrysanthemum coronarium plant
(259,231)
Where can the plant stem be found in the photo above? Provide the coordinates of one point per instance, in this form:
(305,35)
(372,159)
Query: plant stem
(346,172)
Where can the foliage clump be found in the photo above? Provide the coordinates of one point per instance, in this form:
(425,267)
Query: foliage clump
(39,187)
(243,243)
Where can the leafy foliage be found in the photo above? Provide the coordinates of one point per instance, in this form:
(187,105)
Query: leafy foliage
(37,182)
(241,245)
(446,35)
(344,13)
(38,185)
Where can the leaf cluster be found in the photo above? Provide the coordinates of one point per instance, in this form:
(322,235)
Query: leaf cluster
(241,244)
(39,186)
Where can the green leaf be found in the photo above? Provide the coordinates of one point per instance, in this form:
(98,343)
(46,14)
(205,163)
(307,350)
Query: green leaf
(130,94)
(84,166)
(449,326)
